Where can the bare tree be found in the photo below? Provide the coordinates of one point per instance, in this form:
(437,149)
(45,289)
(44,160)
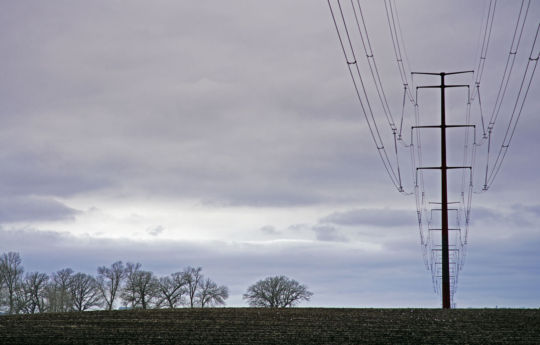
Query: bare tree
(11,271)
(22,300)
(210,294)
(129,293)
(58,291)
(141,287)
(171,290)
(109,282)
(193,278)
(2,291)
(84,292)
(276,292)
(35,288)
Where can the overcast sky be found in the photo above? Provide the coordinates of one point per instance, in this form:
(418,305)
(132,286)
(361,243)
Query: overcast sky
(227,135)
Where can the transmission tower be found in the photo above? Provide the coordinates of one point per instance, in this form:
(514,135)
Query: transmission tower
(446,273)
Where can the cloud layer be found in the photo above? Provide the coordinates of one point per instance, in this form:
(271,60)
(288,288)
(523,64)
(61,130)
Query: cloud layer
(228,135)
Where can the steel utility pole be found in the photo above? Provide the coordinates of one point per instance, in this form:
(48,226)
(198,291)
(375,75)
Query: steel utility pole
(446,300)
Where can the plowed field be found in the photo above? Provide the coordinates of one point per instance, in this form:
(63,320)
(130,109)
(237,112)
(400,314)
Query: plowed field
(286,326)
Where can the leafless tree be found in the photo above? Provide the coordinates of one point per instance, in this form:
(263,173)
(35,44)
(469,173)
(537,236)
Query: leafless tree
(141,287)
(66,290)
(129,293)
(171,290)
(193,279)
(276,292)
(58,291)
(210,294)
(1,292)
(35,288)
(109,282)
(11,271)
(84,292)
(22,300)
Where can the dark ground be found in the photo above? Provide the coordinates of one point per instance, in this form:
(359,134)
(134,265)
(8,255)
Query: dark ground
(284,326)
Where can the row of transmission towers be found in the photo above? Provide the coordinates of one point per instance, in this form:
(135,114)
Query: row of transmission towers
(442,187)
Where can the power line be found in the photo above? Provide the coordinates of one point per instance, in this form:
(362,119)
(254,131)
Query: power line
(366,109)
(486,36)
(390,9)
(516,111)
(396,35)
(370,57)
(372,64)
(514,46)
(431,250)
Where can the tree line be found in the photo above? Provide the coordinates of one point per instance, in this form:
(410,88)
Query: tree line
(130,286)
(122,284)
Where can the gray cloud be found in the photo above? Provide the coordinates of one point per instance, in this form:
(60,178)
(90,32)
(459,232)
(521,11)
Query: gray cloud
(487,214)
(30,209)
(221,104)
(515,215)
(213,122)
(37,172)
(156,231)
(328,233)
(371,217)
(194,113)
(508,263)
(340,274)
(237,265)
(269,230)
(533,210)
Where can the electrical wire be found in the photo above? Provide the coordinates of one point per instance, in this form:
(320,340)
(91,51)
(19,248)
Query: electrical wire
(390,9)
(366,109)
(524,88)
(430,249)
(486,36)
(514,46)
(372,63)
(370,57)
